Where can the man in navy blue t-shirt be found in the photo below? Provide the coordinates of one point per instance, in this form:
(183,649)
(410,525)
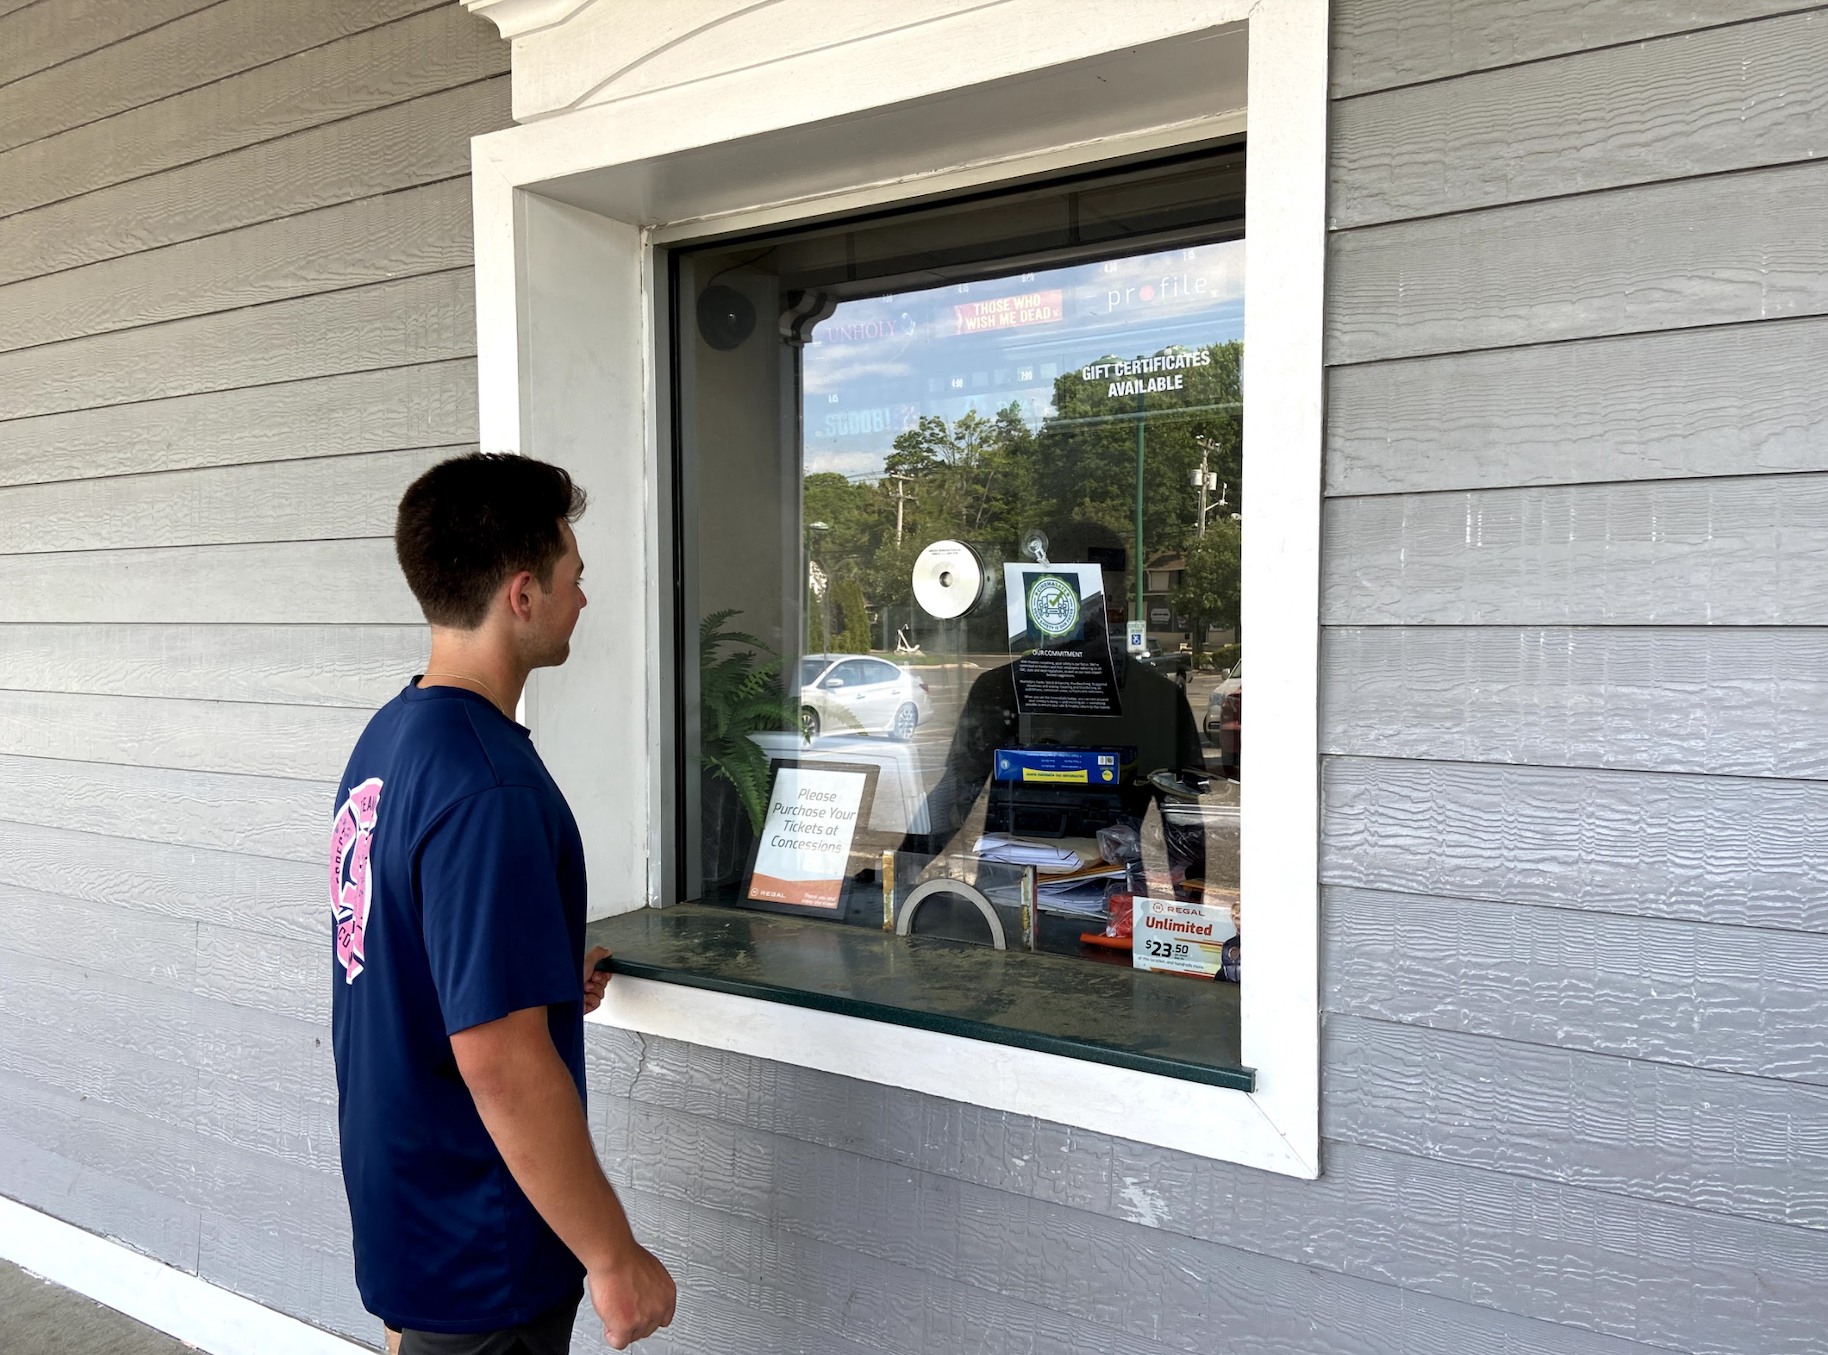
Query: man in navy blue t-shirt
(460,977)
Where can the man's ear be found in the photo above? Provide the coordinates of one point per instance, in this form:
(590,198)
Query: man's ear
(520,600)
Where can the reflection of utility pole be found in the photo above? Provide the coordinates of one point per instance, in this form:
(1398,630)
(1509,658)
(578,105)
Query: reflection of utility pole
(901,500)
(1141,402)
(1205,479)
(820,583)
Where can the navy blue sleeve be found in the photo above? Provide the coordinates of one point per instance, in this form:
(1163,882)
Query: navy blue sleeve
(494,922)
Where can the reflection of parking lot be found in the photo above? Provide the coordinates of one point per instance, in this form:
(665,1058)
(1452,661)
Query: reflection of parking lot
(1200,687)
(918,765)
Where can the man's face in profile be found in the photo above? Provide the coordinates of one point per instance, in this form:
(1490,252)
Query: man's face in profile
(556,609)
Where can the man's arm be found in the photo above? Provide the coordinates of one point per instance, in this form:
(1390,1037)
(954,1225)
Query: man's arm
(530,1106)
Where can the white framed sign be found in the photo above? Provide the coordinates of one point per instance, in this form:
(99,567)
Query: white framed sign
(801,860)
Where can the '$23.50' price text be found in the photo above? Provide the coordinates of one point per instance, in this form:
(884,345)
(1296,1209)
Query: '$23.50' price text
(1166,950)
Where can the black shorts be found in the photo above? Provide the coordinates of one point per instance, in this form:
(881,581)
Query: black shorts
(547,1334)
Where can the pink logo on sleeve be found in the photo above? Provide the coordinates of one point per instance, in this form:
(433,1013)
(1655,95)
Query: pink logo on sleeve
(351,886)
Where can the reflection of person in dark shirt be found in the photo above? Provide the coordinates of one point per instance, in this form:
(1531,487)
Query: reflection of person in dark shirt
(1156,720)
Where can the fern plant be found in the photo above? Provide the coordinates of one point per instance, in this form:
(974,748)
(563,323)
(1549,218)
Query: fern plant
(737,697)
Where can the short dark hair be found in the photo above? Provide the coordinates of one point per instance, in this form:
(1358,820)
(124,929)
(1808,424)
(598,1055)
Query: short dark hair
(470,522)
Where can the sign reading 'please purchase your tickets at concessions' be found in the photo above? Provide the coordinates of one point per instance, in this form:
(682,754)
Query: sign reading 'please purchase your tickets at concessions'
(1180,938)
(805,845)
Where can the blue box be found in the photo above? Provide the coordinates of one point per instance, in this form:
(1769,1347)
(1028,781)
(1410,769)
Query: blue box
(1061,766)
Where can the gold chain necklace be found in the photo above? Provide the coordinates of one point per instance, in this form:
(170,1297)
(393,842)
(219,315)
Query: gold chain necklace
(465,677)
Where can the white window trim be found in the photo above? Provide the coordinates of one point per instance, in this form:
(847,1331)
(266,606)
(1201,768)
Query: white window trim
(568,211)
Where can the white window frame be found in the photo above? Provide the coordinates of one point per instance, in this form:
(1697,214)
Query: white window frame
(569,213)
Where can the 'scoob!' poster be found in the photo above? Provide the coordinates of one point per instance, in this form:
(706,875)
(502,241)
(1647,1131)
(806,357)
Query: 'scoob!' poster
(1057,632)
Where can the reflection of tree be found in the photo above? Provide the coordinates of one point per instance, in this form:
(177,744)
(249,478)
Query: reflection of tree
(1086,450)
(967,479)
(971,477)
(1209,593)
(987,480)
(855,637)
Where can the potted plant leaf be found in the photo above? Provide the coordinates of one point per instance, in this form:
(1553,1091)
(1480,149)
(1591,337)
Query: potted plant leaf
(739,694)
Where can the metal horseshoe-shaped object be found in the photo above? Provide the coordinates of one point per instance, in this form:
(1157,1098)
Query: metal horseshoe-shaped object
(904,925)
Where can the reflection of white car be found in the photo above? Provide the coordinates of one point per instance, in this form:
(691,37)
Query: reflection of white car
(901,793)
(856,694)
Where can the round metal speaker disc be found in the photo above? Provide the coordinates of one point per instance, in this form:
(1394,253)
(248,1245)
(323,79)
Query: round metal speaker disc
(948,579)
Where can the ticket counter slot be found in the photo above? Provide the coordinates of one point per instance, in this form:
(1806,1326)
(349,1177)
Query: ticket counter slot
(951,891)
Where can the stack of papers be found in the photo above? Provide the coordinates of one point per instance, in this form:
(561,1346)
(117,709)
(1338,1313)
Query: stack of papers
(1083,897)
(1018,851)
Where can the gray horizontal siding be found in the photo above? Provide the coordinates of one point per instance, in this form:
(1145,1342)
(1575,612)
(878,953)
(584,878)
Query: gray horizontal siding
(388,324)
(97,1199)
(1712,1143)
(353,582)
(1020,1275)
(276,664)
(258,815)
(201,1200)
(1727,98)
(1708,251)
(428,404)
(1742,551)
(307,743)
(1716,699)
(116,943)
(235,960)
(254,1189)
(1736,851)
(303,500)
(150,1032)
(394,235)
(286,1271)
(1731,999)
(367,70)
(175,57)
(43,36)
(237,304)
(1724,400)
(396,146)
(759,1141)
(279,974)
(188,883)
(1380,43)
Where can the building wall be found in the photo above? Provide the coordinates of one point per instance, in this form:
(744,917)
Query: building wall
(236,316)
(1576,1062)
(1576,1067)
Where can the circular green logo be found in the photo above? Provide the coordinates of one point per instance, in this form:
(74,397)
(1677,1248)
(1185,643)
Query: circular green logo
(1053,605)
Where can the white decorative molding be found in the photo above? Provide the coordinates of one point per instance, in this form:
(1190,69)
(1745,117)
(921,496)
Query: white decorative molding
(516,17)
(175,1302)
(776,61)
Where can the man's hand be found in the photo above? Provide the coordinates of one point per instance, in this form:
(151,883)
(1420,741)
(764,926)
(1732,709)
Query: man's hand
(594,983)
(633,1297)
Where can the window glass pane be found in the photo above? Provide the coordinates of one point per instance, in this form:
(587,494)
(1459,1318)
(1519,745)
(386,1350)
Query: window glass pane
(994,454)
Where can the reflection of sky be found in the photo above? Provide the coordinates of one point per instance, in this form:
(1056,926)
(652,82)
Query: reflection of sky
(879,364)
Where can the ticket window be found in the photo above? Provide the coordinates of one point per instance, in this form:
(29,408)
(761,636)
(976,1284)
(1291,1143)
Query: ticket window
(959,530)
